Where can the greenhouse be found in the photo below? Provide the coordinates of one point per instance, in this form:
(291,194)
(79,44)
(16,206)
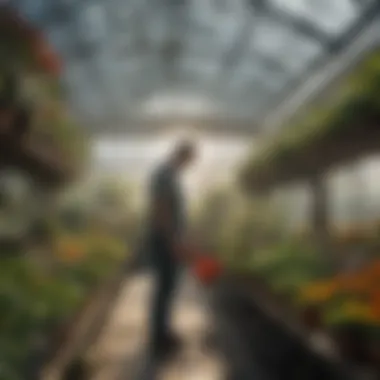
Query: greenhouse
(282,99)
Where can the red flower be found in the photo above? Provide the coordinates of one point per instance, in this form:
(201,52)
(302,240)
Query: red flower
(20,29)
(45,56)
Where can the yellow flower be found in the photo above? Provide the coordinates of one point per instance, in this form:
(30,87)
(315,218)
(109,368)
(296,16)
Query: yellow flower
(359,311)
(318,292)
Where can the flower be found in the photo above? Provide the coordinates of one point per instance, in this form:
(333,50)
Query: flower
(70,251)
(45,56)
(358,311)
(375,304)
(357,282)
(374,269)
(318,292)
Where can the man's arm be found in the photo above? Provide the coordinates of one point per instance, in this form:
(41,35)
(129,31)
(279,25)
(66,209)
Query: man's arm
(163,218)
(164,215)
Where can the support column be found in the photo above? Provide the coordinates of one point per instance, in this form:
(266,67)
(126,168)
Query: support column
(320,211)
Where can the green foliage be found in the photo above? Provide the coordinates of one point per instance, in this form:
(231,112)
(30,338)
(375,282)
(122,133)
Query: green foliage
(73,219)
(36,299)
(19,52)
(356,99)
(31,302)
(15,48)
(235,227)
(289,265)
(213,217)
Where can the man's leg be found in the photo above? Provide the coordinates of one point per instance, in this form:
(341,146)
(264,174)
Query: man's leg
(166,279)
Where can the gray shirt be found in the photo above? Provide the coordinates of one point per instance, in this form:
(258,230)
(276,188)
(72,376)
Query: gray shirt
(165,185)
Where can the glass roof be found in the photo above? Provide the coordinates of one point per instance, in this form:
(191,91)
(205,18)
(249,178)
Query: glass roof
(130,58)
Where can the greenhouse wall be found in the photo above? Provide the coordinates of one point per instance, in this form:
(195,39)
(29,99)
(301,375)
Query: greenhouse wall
(354,196)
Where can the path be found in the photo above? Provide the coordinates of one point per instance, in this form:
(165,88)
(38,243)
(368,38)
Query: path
(120,351)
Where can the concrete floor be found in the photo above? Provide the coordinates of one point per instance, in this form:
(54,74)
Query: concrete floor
(120,352)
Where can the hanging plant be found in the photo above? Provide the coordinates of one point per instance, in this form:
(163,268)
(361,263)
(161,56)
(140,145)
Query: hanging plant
(23,45)
(15,34)
(45,57)
(356,105)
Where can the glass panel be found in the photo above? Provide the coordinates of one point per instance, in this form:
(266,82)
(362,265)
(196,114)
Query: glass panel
(282,44)
(332,16)
(92,23)
(362,4)
(123,41)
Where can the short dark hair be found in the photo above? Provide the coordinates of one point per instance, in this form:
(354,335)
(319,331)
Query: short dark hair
(185,148)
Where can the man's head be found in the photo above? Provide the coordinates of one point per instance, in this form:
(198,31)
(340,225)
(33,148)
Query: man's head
(184,154)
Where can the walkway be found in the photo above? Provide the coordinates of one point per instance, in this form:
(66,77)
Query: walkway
(120,351)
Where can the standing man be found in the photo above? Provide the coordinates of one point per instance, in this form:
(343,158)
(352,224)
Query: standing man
(166,239)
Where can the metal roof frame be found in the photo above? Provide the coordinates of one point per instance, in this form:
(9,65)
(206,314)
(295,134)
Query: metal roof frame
(176,15)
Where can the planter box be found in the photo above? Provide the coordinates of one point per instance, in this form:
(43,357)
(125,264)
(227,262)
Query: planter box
(73,339)
(261,343)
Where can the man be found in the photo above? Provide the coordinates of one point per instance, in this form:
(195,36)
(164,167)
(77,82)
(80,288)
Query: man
(166,240)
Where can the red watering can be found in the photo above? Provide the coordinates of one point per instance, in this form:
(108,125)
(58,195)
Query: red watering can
(206,269)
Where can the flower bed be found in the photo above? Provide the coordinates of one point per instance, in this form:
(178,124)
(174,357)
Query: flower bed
(349,297)
(38,300)
(345,305)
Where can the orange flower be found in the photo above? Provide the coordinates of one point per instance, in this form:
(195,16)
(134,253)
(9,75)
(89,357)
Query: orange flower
(46,57)
(70,252)
(375,304)
(343,281)
(361,282)
(318,292)
(374,268)
(73,253)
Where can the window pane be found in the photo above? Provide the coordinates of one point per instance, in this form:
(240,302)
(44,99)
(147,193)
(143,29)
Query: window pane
(332,16)
(280,43)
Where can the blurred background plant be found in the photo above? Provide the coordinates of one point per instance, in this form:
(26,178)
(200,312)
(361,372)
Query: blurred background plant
(62,257)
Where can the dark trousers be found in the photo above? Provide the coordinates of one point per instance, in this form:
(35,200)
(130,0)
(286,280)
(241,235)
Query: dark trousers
(166,271)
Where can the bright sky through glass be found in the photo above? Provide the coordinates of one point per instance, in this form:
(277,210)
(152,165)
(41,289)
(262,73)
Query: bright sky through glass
(136,158)
(235,56)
